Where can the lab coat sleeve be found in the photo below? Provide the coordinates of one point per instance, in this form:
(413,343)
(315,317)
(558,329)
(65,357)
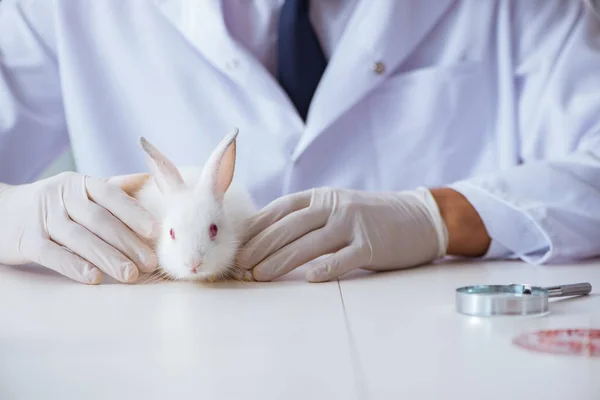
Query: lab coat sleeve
(32,123)
(547,209)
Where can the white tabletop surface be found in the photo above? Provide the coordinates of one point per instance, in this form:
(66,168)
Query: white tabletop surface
(369,336)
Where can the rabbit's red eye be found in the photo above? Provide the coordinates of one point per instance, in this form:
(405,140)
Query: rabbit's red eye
(172,233)
(213,231)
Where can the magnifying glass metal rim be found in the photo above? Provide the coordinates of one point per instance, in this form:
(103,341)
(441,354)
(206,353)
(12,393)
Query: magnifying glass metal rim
(512,299)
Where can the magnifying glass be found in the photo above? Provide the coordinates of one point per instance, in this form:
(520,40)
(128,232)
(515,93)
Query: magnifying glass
(513,299)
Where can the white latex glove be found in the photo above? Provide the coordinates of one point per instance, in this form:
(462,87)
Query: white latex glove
(373,231)
(77,226)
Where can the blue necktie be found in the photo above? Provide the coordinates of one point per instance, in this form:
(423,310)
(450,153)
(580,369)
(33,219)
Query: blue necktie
(300,59)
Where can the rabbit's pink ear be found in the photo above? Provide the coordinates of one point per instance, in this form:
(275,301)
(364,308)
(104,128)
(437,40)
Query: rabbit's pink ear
(165,173)
(218,171)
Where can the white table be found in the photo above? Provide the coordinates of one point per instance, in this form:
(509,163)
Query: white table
(370,336)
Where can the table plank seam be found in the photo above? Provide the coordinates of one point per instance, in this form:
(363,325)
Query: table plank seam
(357,367)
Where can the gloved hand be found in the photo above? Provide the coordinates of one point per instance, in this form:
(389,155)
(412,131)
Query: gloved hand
(77,226)
(373,231)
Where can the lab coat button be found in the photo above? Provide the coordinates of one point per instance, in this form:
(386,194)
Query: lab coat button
(379,68)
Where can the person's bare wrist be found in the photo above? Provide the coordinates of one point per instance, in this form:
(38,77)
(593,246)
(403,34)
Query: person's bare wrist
(467,235)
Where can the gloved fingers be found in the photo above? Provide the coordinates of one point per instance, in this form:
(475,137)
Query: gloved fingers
(130,184)
(277,210)
(61,260)
(307,248)
(125,208)
(93,249)
(283,232)
(107,227)
(343,261)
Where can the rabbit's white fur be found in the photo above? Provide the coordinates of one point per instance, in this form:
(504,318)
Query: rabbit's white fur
(189,211)
(236,198)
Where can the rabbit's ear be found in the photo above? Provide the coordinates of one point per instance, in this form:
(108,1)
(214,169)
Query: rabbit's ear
(165,173)
(217,173)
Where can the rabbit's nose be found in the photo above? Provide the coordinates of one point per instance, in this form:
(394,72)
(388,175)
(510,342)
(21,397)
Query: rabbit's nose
(194,266)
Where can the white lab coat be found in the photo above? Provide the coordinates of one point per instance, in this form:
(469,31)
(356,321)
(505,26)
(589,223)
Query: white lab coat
(499,99)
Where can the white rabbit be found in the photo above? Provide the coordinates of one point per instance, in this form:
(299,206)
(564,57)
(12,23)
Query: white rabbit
(202,215)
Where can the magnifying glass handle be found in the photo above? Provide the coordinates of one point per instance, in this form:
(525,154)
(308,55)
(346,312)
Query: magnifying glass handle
(575,289)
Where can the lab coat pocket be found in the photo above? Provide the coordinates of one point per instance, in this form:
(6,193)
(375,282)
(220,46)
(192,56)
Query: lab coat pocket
(430,125)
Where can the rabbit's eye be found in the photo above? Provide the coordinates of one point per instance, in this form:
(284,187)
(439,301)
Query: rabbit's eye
(172,233)
(212,230)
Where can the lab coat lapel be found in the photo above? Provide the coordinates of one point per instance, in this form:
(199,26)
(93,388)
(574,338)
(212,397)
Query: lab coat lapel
(379,37)
(208,33)
(201,23)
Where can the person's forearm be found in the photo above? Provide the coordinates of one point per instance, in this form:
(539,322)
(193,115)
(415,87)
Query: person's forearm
(467,235)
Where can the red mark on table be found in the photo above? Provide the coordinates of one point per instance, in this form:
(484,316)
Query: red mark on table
(578,342)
